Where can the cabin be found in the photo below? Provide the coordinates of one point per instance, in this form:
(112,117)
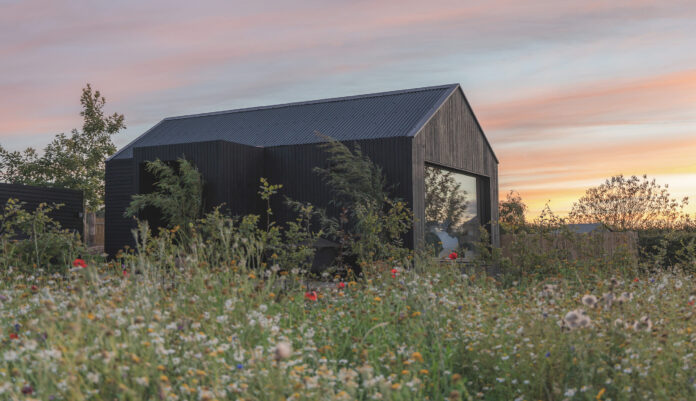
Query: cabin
(427,141)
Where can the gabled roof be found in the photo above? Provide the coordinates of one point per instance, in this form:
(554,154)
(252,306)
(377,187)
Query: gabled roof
(377,115)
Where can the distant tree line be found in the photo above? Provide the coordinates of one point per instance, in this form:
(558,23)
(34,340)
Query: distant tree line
(620,203)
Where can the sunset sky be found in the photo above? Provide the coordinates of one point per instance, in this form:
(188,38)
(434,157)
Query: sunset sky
(568,92)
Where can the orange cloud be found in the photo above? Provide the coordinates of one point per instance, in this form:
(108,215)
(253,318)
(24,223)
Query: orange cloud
(606,102)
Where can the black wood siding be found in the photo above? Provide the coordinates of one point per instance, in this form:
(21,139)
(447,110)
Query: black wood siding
(120,186)
(452,138)
(69,215)
(293,167)
(231,173)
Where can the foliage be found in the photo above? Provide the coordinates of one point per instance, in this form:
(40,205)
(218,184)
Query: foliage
(372,224)
(178,194)
(32,238)
(629,204)
(669,248)
(75,161)
(511,213)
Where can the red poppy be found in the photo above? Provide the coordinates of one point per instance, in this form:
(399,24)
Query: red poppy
(453,255)
(13,336)
(636,279)
(312,296)
(79,263)
(691,303)
(125,273)
(341,285)
(34,288)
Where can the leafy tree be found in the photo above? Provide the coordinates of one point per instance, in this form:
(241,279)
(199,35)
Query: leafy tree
(633,203)
(75,161)
(511,212)
(445,201)
(178,193)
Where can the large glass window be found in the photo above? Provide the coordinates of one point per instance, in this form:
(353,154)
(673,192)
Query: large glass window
(451,212)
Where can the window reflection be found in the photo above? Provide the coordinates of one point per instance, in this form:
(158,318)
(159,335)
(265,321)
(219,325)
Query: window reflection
(451,213)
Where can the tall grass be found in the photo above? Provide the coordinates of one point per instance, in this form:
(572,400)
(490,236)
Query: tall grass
(203,325)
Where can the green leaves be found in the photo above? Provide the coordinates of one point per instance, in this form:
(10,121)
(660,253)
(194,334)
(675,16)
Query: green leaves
(178,193)
(372,224)
(75,161)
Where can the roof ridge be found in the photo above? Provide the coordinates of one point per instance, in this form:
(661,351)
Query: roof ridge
(318,101)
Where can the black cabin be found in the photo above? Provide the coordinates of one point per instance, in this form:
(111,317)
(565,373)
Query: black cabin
(417,136)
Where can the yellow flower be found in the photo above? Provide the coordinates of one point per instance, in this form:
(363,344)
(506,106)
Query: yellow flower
(601,393)
(164,378)
(135,358)
(395,386)
(90,316)
(424,371)
(377,299)
(161,368)
(415,314)
(417,356)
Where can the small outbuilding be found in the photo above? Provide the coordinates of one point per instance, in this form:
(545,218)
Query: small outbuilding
(68,215)
(427,141)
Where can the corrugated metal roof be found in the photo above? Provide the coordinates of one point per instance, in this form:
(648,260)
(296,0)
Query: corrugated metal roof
(376,115)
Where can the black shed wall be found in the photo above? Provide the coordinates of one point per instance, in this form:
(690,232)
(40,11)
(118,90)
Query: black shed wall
(231,173)
(120,186)
(69,215)
(293,167)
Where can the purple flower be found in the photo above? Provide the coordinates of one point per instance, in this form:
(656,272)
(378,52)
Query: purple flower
(548,354)
(240,366)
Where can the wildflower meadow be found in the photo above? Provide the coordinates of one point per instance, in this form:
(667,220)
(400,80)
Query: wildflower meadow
(135,331)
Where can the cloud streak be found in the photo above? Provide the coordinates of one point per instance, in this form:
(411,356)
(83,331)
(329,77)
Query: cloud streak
(567,92)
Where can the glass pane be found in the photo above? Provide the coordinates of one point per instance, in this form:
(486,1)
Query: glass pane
(451,213)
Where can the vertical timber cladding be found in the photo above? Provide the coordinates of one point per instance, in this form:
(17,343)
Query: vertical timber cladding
(120,186)
(69,215)
(452,138)
(230,171)
(293,167)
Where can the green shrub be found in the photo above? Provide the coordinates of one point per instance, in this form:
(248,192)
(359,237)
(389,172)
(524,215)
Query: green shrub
(178,195)
(372,224)
(668,249)
(32,238)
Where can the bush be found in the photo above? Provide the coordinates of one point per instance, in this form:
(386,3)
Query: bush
(668,249)
(178,194)
(34,239)
(372,224)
